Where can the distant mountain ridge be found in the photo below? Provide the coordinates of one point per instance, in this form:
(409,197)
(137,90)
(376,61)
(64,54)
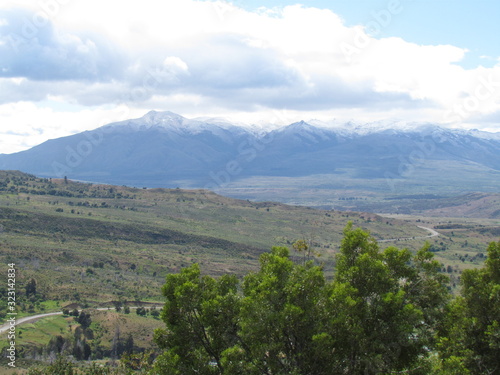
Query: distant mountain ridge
(164,149)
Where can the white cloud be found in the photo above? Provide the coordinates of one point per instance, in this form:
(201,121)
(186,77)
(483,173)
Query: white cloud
(25,124)
(201,57)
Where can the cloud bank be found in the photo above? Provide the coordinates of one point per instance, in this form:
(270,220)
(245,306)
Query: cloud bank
(214,58)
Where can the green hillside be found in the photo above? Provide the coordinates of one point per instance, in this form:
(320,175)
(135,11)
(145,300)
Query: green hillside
(81,245)
(89,242)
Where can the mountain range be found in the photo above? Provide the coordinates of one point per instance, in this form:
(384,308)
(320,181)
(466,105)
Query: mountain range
(164,149)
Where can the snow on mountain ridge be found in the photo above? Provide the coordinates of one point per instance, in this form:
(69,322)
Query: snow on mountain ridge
(167,120)
(172,122)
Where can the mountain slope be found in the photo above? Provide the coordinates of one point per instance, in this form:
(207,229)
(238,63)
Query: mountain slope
(163,149)
(102,241)
(154,151)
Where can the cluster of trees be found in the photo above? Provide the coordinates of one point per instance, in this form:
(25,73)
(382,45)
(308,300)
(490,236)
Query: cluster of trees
(82,344)
(31,302)
(469,333)
(77,344)
(63,366)
(18,182)
(384,312)
(141,310)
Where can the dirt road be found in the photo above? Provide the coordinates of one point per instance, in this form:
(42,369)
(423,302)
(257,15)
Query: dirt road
(5,327)
(432,233)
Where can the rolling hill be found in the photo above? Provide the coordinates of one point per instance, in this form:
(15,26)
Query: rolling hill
(92,242)
(89,245)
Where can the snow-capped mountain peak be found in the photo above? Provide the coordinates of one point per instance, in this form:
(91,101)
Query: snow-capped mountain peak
(165,121)
(164,148)
(172,122)
(166,117)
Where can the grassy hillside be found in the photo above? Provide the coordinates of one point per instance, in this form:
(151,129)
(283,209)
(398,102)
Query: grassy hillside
(108,336)
(91,243)
(418,193)
(477,205)
(87,242)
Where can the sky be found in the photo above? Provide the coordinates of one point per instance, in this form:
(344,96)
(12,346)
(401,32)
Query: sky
(72,65)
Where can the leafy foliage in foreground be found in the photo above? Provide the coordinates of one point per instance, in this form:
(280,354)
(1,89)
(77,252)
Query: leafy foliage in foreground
(384,312)
(470,334)
(377,315)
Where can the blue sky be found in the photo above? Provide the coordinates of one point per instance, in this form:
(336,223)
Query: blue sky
(463,23)
(73,65)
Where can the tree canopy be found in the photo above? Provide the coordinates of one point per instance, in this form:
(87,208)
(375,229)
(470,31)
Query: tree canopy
(469,336)
(384,312)
(377,315)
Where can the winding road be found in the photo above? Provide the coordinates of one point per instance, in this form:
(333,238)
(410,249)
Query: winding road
(6,326)
(432,233)
(25,319)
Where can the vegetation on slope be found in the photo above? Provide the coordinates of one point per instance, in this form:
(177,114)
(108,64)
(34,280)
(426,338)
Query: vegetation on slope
(87,245)
(385,311)
(90,243)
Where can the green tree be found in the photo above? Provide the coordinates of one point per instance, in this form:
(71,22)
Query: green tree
(141,311)
(154,312)
(279,317)
(136,361)
(470,333)
(129,344)
(84,320)
(382,307)
(61,366)
(201,318)
(31,288)
(378,315)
